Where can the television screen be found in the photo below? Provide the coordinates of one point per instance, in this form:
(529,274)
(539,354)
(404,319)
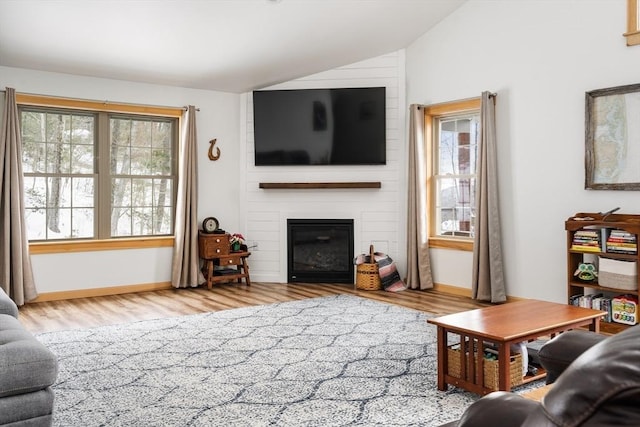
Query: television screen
(320,126)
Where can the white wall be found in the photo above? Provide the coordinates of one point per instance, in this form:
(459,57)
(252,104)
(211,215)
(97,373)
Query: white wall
(218,118)
(378,214)
(540,57)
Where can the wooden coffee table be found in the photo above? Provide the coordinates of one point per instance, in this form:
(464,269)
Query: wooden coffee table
(503,325)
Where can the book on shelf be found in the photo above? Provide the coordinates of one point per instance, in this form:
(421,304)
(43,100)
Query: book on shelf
(622,242)
(618,250)
(622,237)
(587,240)
(596,302)
(623,248)
(585,248)
(617,233)
(605,305)
(587,232)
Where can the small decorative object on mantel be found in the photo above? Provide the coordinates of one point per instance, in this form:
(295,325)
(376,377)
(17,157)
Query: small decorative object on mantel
(236,241)
(212,156)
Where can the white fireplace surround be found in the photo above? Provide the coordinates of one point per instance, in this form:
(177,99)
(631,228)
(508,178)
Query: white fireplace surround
(379,214)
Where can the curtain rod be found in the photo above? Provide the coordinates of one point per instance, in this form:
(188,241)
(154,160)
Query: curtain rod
(105,101)
(421,106)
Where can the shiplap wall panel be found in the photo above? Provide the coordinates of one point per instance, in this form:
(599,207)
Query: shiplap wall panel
(378,214)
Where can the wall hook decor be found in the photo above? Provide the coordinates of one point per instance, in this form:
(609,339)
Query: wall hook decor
(211,155)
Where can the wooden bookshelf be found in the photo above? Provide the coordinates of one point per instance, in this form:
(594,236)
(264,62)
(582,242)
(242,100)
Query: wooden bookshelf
(602,225)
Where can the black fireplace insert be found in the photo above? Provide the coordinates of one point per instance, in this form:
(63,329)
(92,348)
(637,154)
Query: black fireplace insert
(320,250)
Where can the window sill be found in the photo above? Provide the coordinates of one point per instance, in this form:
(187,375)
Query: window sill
(455,244)
(64,246)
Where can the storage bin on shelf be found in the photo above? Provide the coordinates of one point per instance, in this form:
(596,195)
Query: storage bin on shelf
(618,274)
(367,274)
(490,368)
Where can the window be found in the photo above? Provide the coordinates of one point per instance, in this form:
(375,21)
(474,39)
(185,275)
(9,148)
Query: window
(91,174)
(452,135)
(58,167)
(141,159)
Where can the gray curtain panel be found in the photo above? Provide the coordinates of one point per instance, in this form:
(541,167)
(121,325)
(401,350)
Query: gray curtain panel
(488,282)
(418,262)
(185,266)
(15,263)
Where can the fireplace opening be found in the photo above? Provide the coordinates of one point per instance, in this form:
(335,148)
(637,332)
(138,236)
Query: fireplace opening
(320,250)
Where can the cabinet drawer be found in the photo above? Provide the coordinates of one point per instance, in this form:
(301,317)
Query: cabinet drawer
(213,246)
(229,260)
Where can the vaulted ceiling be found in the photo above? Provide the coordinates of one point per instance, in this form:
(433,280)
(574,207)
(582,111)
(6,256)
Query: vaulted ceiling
(224,45)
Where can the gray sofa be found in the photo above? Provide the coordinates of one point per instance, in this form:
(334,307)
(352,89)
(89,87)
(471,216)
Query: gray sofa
(27,371)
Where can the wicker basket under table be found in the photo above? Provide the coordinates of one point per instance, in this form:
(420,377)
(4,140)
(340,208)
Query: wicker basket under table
(490,368)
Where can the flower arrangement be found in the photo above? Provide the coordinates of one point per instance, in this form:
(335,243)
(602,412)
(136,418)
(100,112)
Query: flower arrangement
(236,240)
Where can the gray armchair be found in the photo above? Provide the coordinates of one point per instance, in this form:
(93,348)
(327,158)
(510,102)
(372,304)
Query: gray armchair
(27,371)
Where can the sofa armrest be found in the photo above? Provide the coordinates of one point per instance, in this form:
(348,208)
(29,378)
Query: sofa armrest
(557,354)
(7,306)
(497,409)
(26,365)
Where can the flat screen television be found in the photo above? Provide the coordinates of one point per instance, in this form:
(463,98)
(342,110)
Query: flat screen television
(320,126)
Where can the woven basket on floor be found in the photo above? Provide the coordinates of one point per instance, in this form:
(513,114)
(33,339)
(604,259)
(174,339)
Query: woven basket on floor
(490,368)
(367,276)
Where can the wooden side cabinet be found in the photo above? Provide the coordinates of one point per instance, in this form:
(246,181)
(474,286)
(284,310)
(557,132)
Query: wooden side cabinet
(220,264)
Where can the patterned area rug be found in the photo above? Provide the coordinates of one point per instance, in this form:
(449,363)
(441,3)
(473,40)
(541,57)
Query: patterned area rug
(331,361)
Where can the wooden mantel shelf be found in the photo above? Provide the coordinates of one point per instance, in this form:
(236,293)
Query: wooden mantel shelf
(307,185)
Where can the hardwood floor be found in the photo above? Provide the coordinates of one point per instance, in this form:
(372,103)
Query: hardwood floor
(96,311)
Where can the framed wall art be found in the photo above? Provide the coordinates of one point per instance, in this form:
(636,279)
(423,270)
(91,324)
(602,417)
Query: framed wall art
(612,138)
